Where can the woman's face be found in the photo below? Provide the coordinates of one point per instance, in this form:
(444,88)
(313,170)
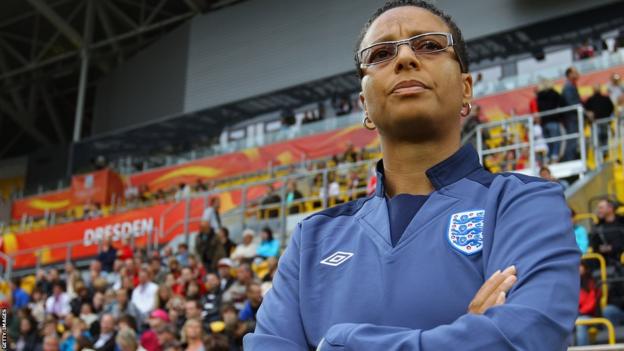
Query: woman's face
(425,114)
(193,330)
(25,326)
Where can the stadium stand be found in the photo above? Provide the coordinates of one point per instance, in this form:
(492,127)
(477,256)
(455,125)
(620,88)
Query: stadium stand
(178,256)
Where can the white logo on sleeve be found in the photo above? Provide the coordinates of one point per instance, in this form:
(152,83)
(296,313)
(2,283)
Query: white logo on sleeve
(337,258)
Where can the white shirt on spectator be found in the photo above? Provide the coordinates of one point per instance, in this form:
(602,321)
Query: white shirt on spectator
(58,305)
(144,297)
(243,251)
(334,189)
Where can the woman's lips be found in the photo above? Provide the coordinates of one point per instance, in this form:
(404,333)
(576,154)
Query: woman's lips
(409,87)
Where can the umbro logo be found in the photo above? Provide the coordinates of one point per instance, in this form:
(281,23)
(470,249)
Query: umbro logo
(337,258)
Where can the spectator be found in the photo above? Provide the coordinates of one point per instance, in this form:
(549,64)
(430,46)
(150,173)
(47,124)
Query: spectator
(224,238)
(541,147)
(234,328)
(192,335)
(582,238)
(292,195)
(37,305)
(144,295)
(125,251)
(615,88)
(58,303)
(252,305)
(183,254)
(587,303)
(28,339)
(545,173)
(211,214)
(149,338)
(51,343)
(200,186)
(217,342)
(105,341)
(87,315)
(570,121)
(183,192)
(108,255)
(585,50)
(269,247)
(608,236)
(166,335)
(246,250)
(598,107)
(126,340)
(20,297)
(208,246)
(157,271)
(211,301)
(270,203)
(224,269)
(549,99)
(237,292)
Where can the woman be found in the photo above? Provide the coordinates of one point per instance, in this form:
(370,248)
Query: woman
(126,340)
(28,340)
(193,335)
(417,266)
(269,247)
(587,303)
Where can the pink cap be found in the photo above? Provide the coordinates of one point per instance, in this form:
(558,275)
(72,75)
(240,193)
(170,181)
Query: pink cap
(160,314)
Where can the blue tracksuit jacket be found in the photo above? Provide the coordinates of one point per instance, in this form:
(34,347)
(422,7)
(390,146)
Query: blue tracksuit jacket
(341,281)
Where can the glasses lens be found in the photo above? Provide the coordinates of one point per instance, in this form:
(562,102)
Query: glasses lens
(378,53)
(430,43)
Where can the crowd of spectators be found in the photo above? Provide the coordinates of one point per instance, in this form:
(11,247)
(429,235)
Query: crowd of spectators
(128,300)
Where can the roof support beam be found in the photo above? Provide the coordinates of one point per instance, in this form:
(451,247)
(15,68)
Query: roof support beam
(21,118)
(57,21)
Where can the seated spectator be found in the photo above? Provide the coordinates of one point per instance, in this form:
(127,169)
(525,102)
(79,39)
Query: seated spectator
(237,292)
(252,305)
(246,250)
(144,295)
(105,340)
(183,192)
(167,335)
(585,51)
(224,268)
(270,203)
(149,338)
(269,247)
(192,335)
(545,173)
(125,250)
(292,195)
(580,233)
(51,343)
(211,300)
(587,303)
(126,340)
(108,255)
(235,329)
(28,335)
(183,254)
(59,302)
(607,238)
(20,297)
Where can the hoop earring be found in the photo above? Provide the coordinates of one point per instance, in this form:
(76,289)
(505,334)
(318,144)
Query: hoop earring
(366,124)
(466,109)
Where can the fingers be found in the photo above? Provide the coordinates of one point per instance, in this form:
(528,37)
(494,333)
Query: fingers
(492,284)
(493,290)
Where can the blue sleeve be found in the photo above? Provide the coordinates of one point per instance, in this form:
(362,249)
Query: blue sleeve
(534,232)
(278,322)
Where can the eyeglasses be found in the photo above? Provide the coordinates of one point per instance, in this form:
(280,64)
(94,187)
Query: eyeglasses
(426,43)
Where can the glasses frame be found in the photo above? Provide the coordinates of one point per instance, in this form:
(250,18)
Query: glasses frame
(398,43)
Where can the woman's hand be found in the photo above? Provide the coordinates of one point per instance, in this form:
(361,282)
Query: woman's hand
(493,291)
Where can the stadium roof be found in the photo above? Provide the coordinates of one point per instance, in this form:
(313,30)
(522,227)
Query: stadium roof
(41,45)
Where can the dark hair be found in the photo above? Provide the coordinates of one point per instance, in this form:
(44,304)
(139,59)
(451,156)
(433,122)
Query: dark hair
(226,232)
(269,233)
(568,71)
(460,45)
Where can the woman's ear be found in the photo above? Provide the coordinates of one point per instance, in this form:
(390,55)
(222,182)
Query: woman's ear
(363,101)
(467,87)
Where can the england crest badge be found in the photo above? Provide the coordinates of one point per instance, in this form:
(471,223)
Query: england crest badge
(465,232)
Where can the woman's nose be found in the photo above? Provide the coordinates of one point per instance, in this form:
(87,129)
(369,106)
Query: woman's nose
(406,58)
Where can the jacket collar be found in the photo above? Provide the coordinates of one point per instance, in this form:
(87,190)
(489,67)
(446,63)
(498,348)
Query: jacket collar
(454,168)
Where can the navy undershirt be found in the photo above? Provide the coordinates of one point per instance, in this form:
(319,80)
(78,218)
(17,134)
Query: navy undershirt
(401,209)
